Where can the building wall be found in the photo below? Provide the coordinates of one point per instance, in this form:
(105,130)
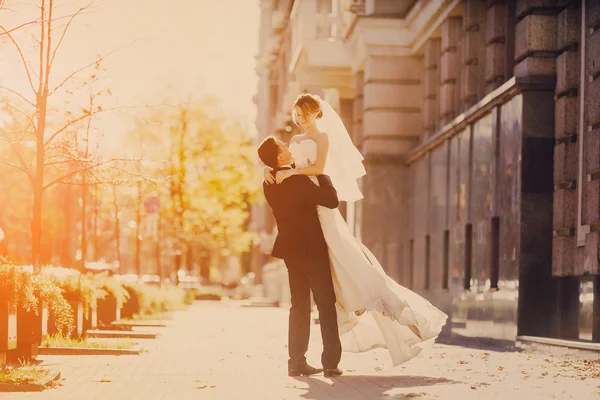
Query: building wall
(479,122)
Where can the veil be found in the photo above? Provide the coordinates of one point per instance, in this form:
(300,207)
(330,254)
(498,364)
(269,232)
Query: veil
(344,161)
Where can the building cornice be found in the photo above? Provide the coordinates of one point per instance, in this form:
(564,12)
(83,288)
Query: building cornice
(498,97)
(385,35)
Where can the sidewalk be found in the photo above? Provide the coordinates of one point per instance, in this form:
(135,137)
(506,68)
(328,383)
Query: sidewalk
(224,351)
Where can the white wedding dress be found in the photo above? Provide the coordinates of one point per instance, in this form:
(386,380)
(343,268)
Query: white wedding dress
(373,310)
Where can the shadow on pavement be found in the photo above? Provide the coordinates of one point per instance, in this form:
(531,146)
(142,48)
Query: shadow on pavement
(479,343)
(368,387)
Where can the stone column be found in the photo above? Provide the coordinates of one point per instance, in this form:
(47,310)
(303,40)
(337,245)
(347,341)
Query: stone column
(473,50)
(449,69)
(261,214)
(346,113)
(592,158)
(539,310)
(496,32)
(566,148)
(431,87)
(391,126)
(358,111)
(357,138)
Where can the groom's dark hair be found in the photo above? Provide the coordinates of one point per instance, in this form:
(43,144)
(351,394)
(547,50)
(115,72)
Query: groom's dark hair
(268,151)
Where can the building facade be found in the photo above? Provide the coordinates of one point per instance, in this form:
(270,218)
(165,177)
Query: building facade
(479,122)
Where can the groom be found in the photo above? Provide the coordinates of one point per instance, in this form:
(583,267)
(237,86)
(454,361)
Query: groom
(300,243)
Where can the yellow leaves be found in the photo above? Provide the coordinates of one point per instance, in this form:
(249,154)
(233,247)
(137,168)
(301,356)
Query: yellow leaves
(210,160)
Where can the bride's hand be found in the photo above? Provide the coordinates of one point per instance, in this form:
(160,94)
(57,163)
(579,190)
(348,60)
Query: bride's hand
(267,175)
(283,175)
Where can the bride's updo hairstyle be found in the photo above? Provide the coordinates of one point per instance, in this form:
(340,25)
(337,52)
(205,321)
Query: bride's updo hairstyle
(309,104)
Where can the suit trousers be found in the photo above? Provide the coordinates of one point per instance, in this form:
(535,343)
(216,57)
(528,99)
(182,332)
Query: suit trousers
(312,274)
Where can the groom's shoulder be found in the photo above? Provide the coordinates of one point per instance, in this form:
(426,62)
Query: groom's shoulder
(297,178)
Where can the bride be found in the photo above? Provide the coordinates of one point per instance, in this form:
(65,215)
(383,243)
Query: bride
(373,310)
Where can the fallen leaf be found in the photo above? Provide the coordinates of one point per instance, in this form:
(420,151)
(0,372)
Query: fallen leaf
(500,368)
(103,380)
(378,369)
(463,362)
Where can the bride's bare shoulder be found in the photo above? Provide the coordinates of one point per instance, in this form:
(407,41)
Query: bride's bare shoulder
(322,138)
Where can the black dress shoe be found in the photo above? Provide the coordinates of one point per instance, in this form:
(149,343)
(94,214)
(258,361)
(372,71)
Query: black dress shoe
(332,372)
(303,370)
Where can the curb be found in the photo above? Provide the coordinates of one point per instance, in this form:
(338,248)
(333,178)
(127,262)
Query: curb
(105,334)
(86,351)
(141,324)
(559,347)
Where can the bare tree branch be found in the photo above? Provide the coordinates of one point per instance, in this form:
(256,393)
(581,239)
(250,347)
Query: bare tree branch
(48,50)
(70,123)
(83,161)
(20,168)
(42,34)
(98,111)
(18,94)
(26,115)
(21,160)
(37,20)
(16,28)
(68,78)
(62,36)
(12,39)
(86,169)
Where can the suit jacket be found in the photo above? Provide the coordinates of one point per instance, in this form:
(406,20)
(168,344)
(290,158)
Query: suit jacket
(294,204)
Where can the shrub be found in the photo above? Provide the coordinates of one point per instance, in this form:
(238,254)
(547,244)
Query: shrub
(15,286)
(29,290)
(48,293)
(155,300)
(112,287)
(77,287)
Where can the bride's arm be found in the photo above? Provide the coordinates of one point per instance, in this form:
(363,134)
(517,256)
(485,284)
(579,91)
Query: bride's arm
(313,169)
(267,174)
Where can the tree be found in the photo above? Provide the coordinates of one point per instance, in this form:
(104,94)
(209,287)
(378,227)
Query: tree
(208,181)
(50,132)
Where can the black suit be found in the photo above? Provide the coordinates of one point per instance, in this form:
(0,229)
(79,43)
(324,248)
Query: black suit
(300,243)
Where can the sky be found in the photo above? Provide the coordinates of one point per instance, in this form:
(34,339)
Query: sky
(169,50)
